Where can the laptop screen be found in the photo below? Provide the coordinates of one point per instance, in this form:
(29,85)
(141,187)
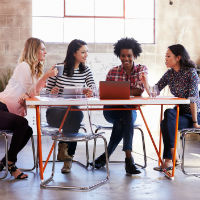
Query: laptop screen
(114,89)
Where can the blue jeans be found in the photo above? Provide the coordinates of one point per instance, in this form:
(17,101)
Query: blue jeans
(168,125)
(54,116)
(123,123)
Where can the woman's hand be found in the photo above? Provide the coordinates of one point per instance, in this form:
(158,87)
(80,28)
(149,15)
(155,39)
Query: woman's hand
(51,72)
(22,99)
(88,92)
(143,78)
(55,90)
(196,125)
(193,108)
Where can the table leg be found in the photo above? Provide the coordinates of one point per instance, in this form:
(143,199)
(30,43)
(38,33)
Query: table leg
(63,120)
(52,147)
(151,136)
(175,141)
(160,140)
(39,142)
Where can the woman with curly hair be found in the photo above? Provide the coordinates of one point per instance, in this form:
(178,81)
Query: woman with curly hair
(182,79)
(127,49)
(27,81)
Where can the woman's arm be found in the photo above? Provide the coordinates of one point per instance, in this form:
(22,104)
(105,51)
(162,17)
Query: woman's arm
(193,107)
(144,80)
(90,83)
(160,85)
(194,96)
(89,78)
(41,83)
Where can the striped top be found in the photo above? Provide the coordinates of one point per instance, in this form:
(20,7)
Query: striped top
(183,84)
(78,79)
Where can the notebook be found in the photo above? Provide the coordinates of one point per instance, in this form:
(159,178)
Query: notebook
(114,89)
(73,92)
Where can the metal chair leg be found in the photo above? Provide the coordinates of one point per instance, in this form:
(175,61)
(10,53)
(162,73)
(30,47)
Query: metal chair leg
(184,134)
(94,153)
(44,184)
(98,127)
(144,148)
(183,154)
(6,155)
(34,159)
(87,154)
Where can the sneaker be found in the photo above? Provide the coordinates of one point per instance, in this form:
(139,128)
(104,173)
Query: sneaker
(130,166)
(67,166)
(63,152)
(99,162)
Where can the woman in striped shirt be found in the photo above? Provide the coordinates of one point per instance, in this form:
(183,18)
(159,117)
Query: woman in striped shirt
(75,74)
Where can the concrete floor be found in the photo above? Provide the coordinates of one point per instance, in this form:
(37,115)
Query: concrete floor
(148,185)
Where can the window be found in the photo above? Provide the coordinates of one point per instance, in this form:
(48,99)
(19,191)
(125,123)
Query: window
(95,21)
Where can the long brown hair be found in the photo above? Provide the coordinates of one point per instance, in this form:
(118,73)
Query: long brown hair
(30,55)
(69,61)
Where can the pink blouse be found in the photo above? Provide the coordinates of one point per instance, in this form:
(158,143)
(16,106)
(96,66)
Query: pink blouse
(20,83)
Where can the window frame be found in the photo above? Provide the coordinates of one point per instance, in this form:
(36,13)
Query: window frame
(116,17)
(64,16)
(81,16)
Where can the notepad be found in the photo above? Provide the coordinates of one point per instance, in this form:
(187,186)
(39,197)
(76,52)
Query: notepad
(73,92)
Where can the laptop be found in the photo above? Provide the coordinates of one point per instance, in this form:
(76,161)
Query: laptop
(114,90)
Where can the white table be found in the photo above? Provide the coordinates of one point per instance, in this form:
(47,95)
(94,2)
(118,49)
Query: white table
(94,103)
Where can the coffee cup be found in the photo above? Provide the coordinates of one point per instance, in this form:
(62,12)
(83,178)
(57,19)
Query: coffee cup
(60,69)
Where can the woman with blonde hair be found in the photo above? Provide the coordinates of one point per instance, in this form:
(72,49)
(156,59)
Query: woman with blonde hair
(27,81)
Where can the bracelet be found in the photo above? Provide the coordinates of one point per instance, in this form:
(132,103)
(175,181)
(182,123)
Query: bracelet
(194,122)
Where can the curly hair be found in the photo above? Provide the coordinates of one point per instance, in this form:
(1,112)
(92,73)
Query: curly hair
(179,50)
(127,43)
(30,55)
(69,62)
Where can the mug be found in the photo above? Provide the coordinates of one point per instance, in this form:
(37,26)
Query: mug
(60,69)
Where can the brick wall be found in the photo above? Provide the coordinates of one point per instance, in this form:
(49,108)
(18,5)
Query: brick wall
(15,28)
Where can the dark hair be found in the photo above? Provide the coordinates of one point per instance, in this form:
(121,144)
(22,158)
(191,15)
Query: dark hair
(179,50)
(69,61)
(127,43)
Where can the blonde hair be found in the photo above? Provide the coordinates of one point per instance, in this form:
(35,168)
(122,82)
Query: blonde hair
(30,55)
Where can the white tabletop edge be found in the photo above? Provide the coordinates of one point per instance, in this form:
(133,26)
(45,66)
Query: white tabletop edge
(47,101)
